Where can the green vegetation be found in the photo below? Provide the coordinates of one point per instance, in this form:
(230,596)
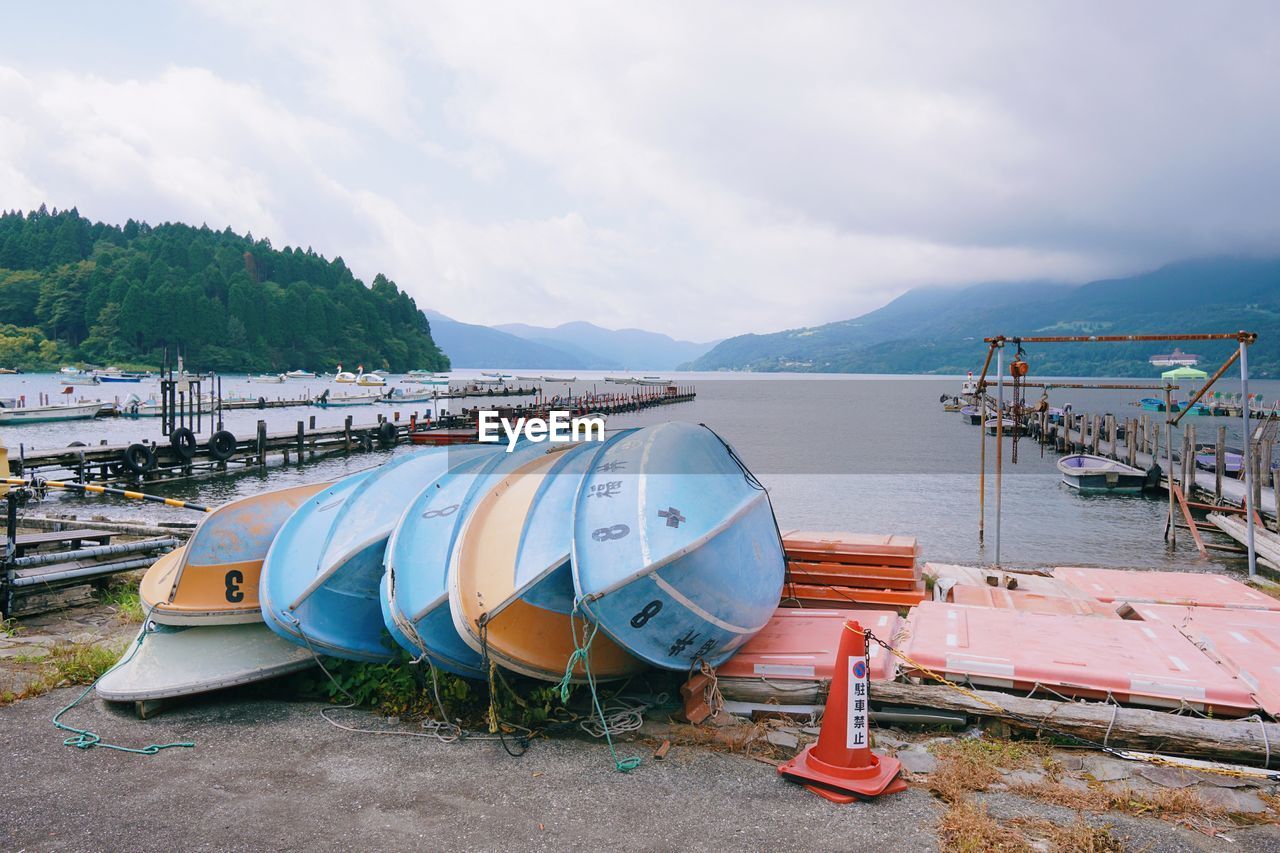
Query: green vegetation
(122,595)
(940,330)
(74,290)
(403,689)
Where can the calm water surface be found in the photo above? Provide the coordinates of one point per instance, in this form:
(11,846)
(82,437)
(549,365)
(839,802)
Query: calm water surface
(871,454)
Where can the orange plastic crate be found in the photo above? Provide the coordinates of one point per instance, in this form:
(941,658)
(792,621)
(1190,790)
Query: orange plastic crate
(798,594)
(855,548)
(840,574)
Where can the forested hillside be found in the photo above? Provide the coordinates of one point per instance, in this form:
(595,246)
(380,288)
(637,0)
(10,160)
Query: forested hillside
(74,290)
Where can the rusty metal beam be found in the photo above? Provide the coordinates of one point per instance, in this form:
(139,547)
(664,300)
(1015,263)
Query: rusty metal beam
(1240,337)
(1212,379)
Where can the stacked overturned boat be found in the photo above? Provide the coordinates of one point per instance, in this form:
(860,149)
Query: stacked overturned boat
(659,537)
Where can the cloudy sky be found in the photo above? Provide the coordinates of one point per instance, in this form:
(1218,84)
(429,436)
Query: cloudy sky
(700,169)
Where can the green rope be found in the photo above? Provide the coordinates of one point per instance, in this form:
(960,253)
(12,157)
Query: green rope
(582,654)
(88,739)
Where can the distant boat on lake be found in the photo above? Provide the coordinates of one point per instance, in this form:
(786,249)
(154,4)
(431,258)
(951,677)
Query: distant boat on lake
(1090,473)
(1177,358)
(13,416)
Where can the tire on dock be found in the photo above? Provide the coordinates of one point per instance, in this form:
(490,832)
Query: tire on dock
(386,433)
(183,442)
(138,458)
(222,445)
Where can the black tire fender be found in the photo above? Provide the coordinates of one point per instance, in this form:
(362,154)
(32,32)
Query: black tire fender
(222,445)
(183,442)
(138,458)
(387,432)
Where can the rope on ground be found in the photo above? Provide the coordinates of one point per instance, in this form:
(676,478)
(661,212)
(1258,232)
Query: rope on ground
(582,655)
(87,738)
(622,714)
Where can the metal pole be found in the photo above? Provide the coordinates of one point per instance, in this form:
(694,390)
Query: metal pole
(982,463)
(1168,458)
(999,439)
(1249,508)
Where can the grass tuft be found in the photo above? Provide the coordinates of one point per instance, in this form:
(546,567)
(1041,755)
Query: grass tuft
(82,663)
(968,827)
(124,598)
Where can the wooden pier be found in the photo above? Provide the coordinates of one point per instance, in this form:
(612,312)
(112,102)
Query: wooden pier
(1138,442)
(149,461)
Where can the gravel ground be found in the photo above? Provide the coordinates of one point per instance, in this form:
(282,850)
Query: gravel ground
(274,775)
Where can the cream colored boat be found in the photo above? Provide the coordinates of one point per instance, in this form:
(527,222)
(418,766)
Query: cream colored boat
(487,582)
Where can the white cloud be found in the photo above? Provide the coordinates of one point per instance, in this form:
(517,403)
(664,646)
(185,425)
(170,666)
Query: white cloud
(701,170)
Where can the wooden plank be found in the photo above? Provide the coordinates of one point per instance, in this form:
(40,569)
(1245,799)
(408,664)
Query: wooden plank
(1191,522)
(1132,728)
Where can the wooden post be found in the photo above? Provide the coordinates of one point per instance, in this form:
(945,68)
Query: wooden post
(311,424)
(262,442)
(346,434)
(301,440)
(1095,434)
(1189,488)
(1219,463)
(1109,425)
(1275,495)
(1131,442)
(1258,471)
(1171,532)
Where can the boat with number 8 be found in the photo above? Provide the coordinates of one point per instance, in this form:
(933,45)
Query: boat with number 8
(676,553)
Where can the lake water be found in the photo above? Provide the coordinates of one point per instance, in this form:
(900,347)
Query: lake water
(859,453)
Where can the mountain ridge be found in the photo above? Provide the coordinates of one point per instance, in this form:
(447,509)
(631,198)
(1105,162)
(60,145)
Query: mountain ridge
(940,330)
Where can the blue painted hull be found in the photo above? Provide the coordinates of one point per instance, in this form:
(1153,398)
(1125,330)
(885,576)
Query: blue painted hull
(290,567)
(322,574)
(542,561)
(414,600)
(675,553)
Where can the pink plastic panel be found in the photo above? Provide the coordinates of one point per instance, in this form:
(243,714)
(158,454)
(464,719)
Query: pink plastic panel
(1080,656)
(1201,588)
(1031,602)
(1246,642)
(802,643)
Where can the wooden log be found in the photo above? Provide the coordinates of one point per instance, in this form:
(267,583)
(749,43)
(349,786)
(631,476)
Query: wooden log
(1095,434)
(1130,728)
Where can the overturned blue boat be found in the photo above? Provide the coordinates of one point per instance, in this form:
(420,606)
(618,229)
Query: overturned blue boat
(676,554)
(414,597)
(320,579)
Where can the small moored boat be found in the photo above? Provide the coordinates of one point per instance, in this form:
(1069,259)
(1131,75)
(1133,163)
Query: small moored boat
(1003,425)
(1090,473)
(48,414)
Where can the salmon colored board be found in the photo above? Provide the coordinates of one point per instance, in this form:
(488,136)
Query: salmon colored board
(1194,588)
(801,644)
(1246,642)
(1031,602)
(797,595)
(875,577)
(1141,663)
(858,548)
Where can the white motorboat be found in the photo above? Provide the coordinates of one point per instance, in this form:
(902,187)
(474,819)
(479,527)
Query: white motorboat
(1090,473)
(12,416)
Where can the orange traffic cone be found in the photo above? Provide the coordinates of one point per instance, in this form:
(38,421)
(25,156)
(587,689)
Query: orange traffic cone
(841,766)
